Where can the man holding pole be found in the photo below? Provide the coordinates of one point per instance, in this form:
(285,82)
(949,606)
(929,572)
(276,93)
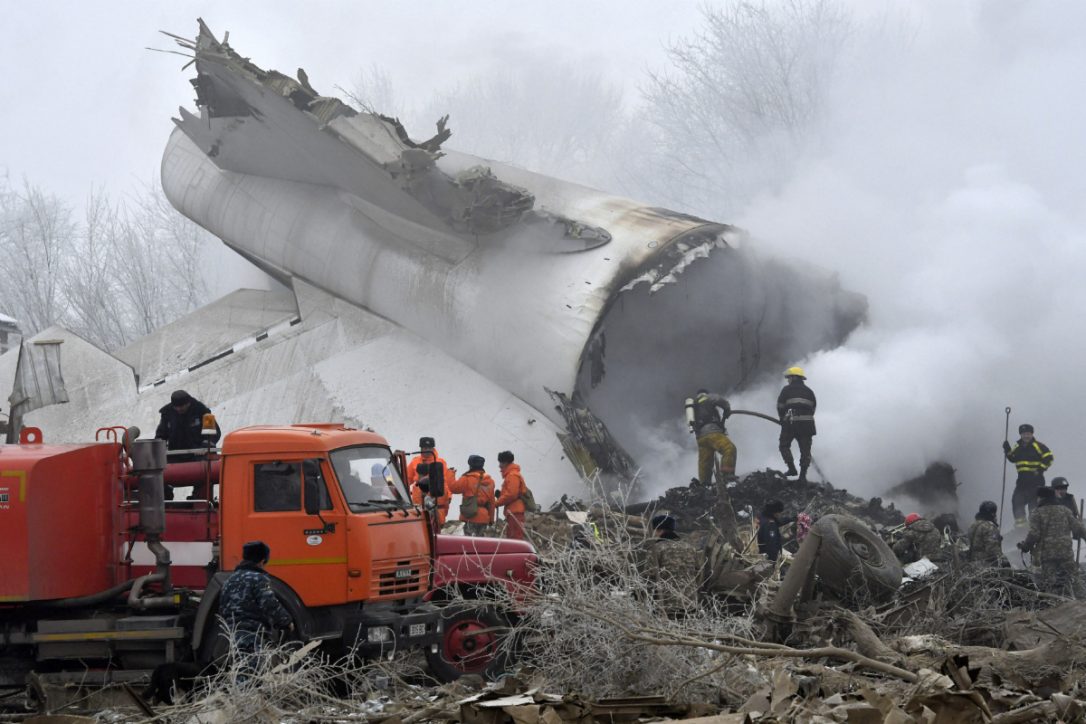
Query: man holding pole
(1031,458)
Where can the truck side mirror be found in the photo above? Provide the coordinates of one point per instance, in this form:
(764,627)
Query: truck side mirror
(437,479)
(311,492)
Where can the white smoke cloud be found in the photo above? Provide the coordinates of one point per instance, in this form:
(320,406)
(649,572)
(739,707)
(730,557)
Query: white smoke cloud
(948,189)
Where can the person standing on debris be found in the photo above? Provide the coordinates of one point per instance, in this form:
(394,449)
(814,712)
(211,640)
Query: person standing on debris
(769,529)
(919,540)
(181,423)
(706,413)
(1031,458)
(248,605)
(796,407)
(672,566)
(1060,485)
(1051,528)
(512,496)
(476,489)
(985,541)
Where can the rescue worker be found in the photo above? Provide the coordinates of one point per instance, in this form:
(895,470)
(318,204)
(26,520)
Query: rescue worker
(181,423)
(672,566)
(1051,528)
(1032,458)
(708,425)
(1060,485)
(427,454)
(421,487)
(985,541)
(510,496)
(476,489)
(919,540)
(796,408)
(248,605)
(769,529)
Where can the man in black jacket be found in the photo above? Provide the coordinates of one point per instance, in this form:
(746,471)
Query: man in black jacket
(182,423)
(796,408)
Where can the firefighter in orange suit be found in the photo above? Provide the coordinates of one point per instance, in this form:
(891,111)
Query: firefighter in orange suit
(476,489)
(513,488)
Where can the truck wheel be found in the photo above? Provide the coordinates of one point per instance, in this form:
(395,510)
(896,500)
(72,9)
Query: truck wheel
(854,562)
(470,643)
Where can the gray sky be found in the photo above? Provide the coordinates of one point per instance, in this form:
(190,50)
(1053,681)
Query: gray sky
(89,106)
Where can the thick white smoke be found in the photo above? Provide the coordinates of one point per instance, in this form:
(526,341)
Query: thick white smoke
(948,189)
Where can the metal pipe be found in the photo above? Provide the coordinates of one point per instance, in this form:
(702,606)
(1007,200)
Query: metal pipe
(134,599)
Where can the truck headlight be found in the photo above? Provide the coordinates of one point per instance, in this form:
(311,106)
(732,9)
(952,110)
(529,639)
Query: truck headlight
(379,635)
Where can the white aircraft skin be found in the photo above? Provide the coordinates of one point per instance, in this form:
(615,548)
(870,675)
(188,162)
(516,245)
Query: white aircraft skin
(590,297)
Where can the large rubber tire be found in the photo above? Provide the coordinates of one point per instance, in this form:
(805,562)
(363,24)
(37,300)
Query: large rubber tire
(471,643)
(855,563)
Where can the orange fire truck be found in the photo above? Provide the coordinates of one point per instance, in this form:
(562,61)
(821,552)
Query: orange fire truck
(103,572)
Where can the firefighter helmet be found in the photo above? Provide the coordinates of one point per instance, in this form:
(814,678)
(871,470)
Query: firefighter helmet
(795,372)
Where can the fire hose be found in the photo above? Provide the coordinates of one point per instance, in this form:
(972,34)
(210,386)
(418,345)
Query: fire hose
(777,422)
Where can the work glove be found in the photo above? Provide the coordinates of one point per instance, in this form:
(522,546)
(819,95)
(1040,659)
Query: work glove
(1006,446)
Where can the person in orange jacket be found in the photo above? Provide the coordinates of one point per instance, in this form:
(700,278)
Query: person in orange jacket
(417,493)
(477,502)
(512,490)
(427,454)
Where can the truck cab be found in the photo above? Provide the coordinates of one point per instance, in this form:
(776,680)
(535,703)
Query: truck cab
(332,505)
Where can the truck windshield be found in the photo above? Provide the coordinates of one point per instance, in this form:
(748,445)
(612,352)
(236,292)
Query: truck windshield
(367,477)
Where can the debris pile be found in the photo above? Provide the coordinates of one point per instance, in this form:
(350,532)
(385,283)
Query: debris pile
(691,505)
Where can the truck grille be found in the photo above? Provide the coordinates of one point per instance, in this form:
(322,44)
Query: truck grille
(397,578)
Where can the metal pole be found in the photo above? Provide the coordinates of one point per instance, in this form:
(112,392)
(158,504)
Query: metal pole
(1003,492)
(1078,550)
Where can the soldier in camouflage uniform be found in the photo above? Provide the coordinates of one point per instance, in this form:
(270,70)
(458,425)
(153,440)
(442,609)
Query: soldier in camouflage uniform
(673,566)
(920,540)
(985,541)
(248,605)
(1050,530)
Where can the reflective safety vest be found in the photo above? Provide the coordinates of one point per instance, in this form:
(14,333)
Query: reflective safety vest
(1031,459)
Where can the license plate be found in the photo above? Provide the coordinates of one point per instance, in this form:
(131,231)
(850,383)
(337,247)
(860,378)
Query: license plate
(416,629)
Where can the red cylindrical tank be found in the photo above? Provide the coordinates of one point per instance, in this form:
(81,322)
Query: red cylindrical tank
(59,520)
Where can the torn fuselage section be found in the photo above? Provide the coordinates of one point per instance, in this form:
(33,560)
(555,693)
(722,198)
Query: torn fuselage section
(262,122)
(707,313)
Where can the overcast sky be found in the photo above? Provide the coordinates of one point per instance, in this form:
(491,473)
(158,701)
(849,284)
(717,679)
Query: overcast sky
(88,105)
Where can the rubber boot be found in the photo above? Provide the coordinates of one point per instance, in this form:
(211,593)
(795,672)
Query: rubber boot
(786,456)
(802,475)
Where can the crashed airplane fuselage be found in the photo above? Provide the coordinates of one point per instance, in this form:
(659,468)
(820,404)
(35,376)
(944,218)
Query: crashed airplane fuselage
(599,312)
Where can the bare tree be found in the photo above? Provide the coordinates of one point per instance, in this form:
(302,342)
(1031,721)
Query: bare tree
(96,309)
(36,230)
(740,100)
(125,271)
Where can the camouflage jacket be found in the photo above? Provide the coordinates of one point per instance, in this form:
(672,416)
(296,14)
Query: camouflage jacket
(985,542)
(920,540)
(1050,529)
(675,568)
(247,602)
